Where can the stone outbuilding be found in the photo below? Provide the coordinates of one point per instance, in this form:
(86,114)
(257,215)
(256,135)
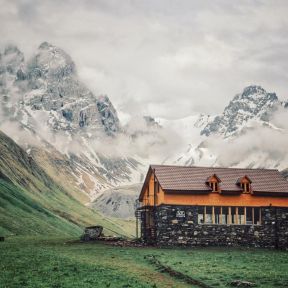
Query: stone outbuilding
(204,206)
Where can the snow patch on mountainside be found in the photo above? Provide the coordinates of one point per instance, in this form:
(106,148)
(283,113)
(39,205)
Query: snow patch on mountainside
(190,139)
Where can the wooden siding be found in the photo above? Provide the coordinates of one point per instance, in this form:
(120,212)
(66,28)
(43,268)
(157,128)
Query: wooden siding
(148,195)
(215,199)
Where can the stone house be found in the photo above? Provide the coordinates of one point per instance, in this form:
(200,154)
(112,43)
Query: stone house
(202,206)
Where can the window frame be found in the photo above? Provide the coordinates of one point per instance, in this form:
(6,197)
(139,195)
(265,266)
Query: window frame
(245,184)
(230,218)
(214,183)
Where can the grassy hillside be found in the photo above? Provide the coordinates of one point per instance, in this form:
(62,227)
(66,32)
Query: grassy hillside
(58,167)
(20,214)
(32,202)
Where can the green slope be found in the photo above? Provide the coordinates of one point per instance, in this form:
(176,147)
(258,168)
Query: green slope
(20,214)
(31,202)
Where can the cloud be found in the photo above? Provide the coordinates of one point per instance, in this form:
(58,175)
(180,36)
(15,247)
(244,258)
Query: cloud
(171,57)
(259,146)
(20,135)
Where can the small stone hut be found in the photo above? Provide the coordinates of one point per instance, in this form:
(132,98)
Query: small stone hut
(204,206)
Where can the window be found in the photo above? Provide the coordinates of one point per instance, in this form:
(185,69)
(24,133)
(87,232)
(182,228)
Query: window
(245,187)
(245,184)
(217,212)
(224,216)
(208,215)
(257,216)
(241,215)
(201,215)
(213,182)
(229,215)
(249,216)
(233,216)
(214,186)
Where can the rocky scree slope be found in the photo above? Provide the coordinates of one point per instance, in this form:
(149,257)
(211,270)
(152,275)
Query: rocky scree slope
(119,202)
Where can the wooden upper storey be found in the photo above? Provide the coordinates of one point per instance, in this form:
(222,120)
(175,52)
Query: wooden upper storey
(177,185)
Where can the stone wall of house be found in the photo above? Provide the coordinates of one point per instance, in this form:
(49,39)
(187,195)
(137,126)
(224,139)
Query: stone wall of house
(282,228)
(178,226)
(148,231)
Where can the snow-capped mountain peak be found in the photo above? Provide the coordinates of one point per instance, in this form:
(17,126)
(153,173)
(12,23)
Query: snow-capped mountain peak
(254,103)
(55,111)
(49,85)
(51,60)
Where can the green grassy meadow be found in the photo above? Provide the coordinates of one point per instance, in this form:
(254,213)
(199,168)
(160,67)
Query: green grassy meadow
(62,262)
(217,267)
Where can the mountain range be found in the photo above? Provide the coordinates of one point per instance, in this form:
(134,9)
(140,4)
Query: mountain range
(73,142)
(251,132)
(45,105)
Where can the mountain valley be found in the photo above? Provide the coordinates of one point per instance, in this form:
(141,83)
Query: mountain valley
(72,156)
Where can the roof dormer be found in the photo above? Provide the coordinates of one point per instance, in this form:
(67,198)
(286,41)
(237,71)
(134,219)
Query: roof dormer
(214,183)
(245,183)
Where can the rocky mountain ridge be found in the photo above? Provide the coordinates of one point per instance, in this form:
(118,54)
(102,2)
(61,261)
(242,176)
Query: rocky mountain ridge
(254,103)
(49,83)
(45,105)
(229,139)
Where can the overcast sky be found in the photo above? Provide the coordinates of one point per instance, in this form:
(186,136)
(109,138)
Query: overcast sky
(160,57)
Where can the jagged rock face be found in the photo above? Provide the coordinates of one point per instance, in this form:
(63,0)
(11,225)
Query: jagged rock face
(55,87)
(108,114)
(46,98)
(253,103)
(49,83)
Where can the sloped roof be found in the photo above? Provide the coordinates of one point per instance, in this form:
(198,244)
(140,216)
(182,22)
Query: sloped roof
(183,178)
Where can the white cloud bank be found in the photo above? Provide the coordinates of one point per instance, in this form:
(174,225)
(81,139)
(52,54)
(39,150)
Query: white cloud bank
(160,58)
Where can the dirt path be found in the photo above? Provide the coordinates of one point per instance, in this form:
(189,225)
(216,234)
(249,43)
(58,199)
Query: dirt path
(175,274)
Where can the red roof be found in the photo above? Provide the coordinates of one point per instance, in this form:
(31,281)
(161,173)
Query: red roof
(183,178)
